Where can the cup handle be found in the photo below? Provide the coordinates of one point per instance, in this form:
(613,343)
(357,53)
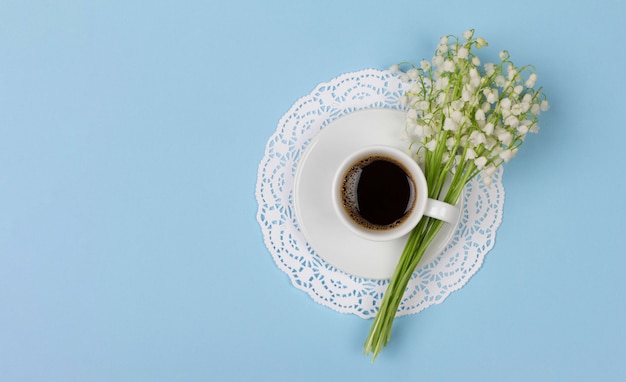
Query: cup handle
(441,211)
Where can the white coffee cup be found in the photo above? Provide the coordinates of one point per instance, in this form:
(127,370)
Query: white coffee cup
(350,187)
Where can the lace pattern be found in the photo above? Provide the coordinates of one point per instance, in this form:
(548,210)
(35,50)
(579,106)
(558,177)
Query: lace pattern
(433,281)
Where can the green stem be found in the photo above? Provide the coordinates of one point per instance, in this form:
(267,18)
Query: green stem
(417,244)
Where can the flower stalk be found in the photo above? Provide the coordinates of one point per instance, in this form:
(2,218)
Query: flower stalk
(463,119)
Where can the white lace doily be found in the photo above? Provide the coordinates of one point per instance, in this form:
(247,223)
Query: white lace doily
(432,282)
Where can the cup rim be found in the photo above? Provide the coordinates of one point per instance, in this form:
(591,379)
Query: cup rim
(416,173)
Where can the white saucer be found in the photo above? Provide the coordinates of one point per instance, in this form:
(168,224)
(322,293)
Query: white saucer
(328,237)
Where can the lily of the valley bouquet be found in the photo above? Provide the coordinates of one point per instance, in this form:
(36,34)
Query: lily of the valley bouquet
(464,118)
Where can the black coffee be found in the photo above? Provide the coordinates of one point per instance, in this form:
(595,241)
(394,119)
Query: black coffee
(378,193)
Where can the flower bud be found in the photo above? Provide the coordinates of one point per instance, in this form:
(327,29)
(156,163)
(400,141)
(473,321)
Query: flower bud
(488,129)
(490,170)
(508,154)
(450,125)
(505,137)
(470,153)
(480,162)
(480,115)
(490,68)
(531,80)
(450,142)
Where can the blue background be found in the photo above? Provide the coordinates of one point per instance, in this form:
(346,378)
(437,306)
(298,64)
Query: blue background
(130,135)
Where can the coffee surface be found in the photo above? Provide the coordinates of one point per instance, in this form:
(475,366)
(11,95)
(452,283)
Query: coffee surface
(378,193)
